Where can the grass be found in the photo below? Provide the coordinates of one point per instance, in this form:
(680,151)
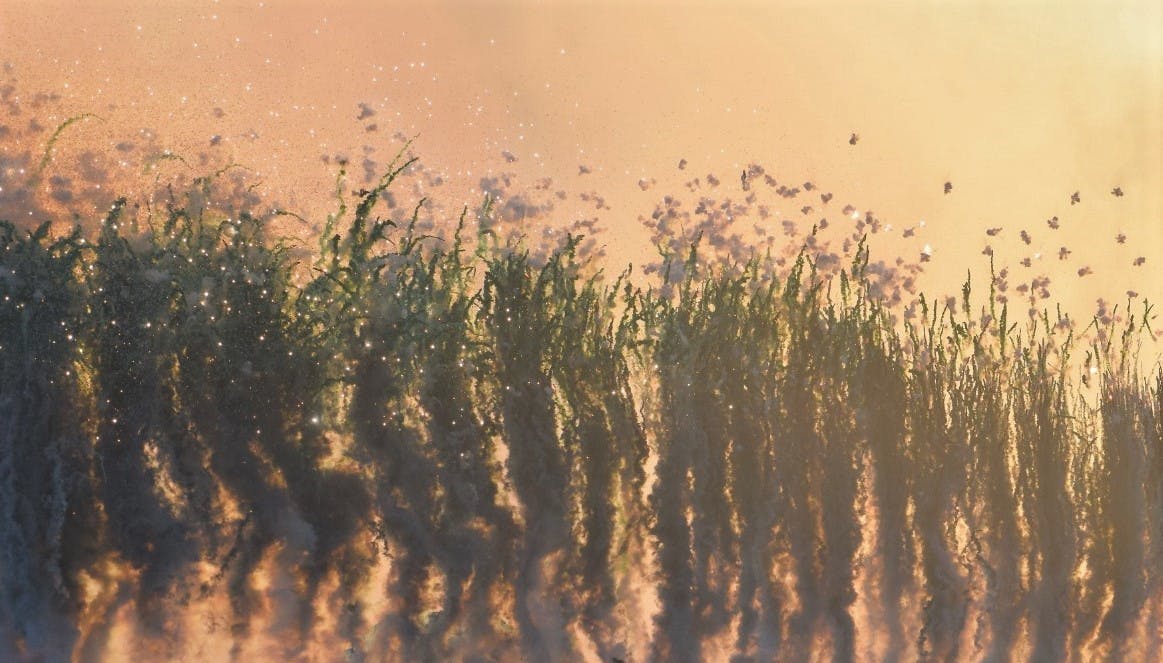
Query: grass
(176,393)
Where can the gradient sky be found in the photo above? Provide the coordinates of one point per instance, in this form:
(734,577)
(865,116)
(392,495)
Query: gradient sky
(1017,104)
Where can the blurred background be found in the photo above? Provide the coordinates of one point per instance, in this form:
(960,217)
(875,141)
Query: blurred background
(1017,106)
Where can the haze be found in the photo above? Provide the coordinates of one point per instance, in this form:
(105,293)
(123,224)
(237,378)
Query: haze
(1018,105)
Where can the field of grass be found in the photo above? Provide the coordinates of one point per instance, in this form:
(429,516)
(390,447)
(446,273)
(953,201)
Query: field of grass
(733,462)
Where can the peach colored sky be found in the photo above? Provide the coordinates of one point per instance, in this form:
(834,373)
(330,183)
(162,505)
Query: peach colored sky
(1018,104)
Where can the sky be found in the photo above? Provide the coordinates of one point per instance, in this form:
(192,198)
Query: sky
(1017,105)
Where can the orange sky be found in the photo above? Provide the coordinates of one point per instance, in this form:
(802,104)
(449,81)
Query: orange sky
(1018,104)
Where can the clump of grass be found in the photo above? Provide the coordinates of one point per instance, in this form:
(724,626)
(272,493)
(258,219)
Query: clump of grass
(368,304)
(1128,418)
(600,428)
(983,399)
(177,393)
(450,358)
(880,393)
(141,441)
(521,309)
(50,530)
(204,380)
(691,514)
(939,453)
